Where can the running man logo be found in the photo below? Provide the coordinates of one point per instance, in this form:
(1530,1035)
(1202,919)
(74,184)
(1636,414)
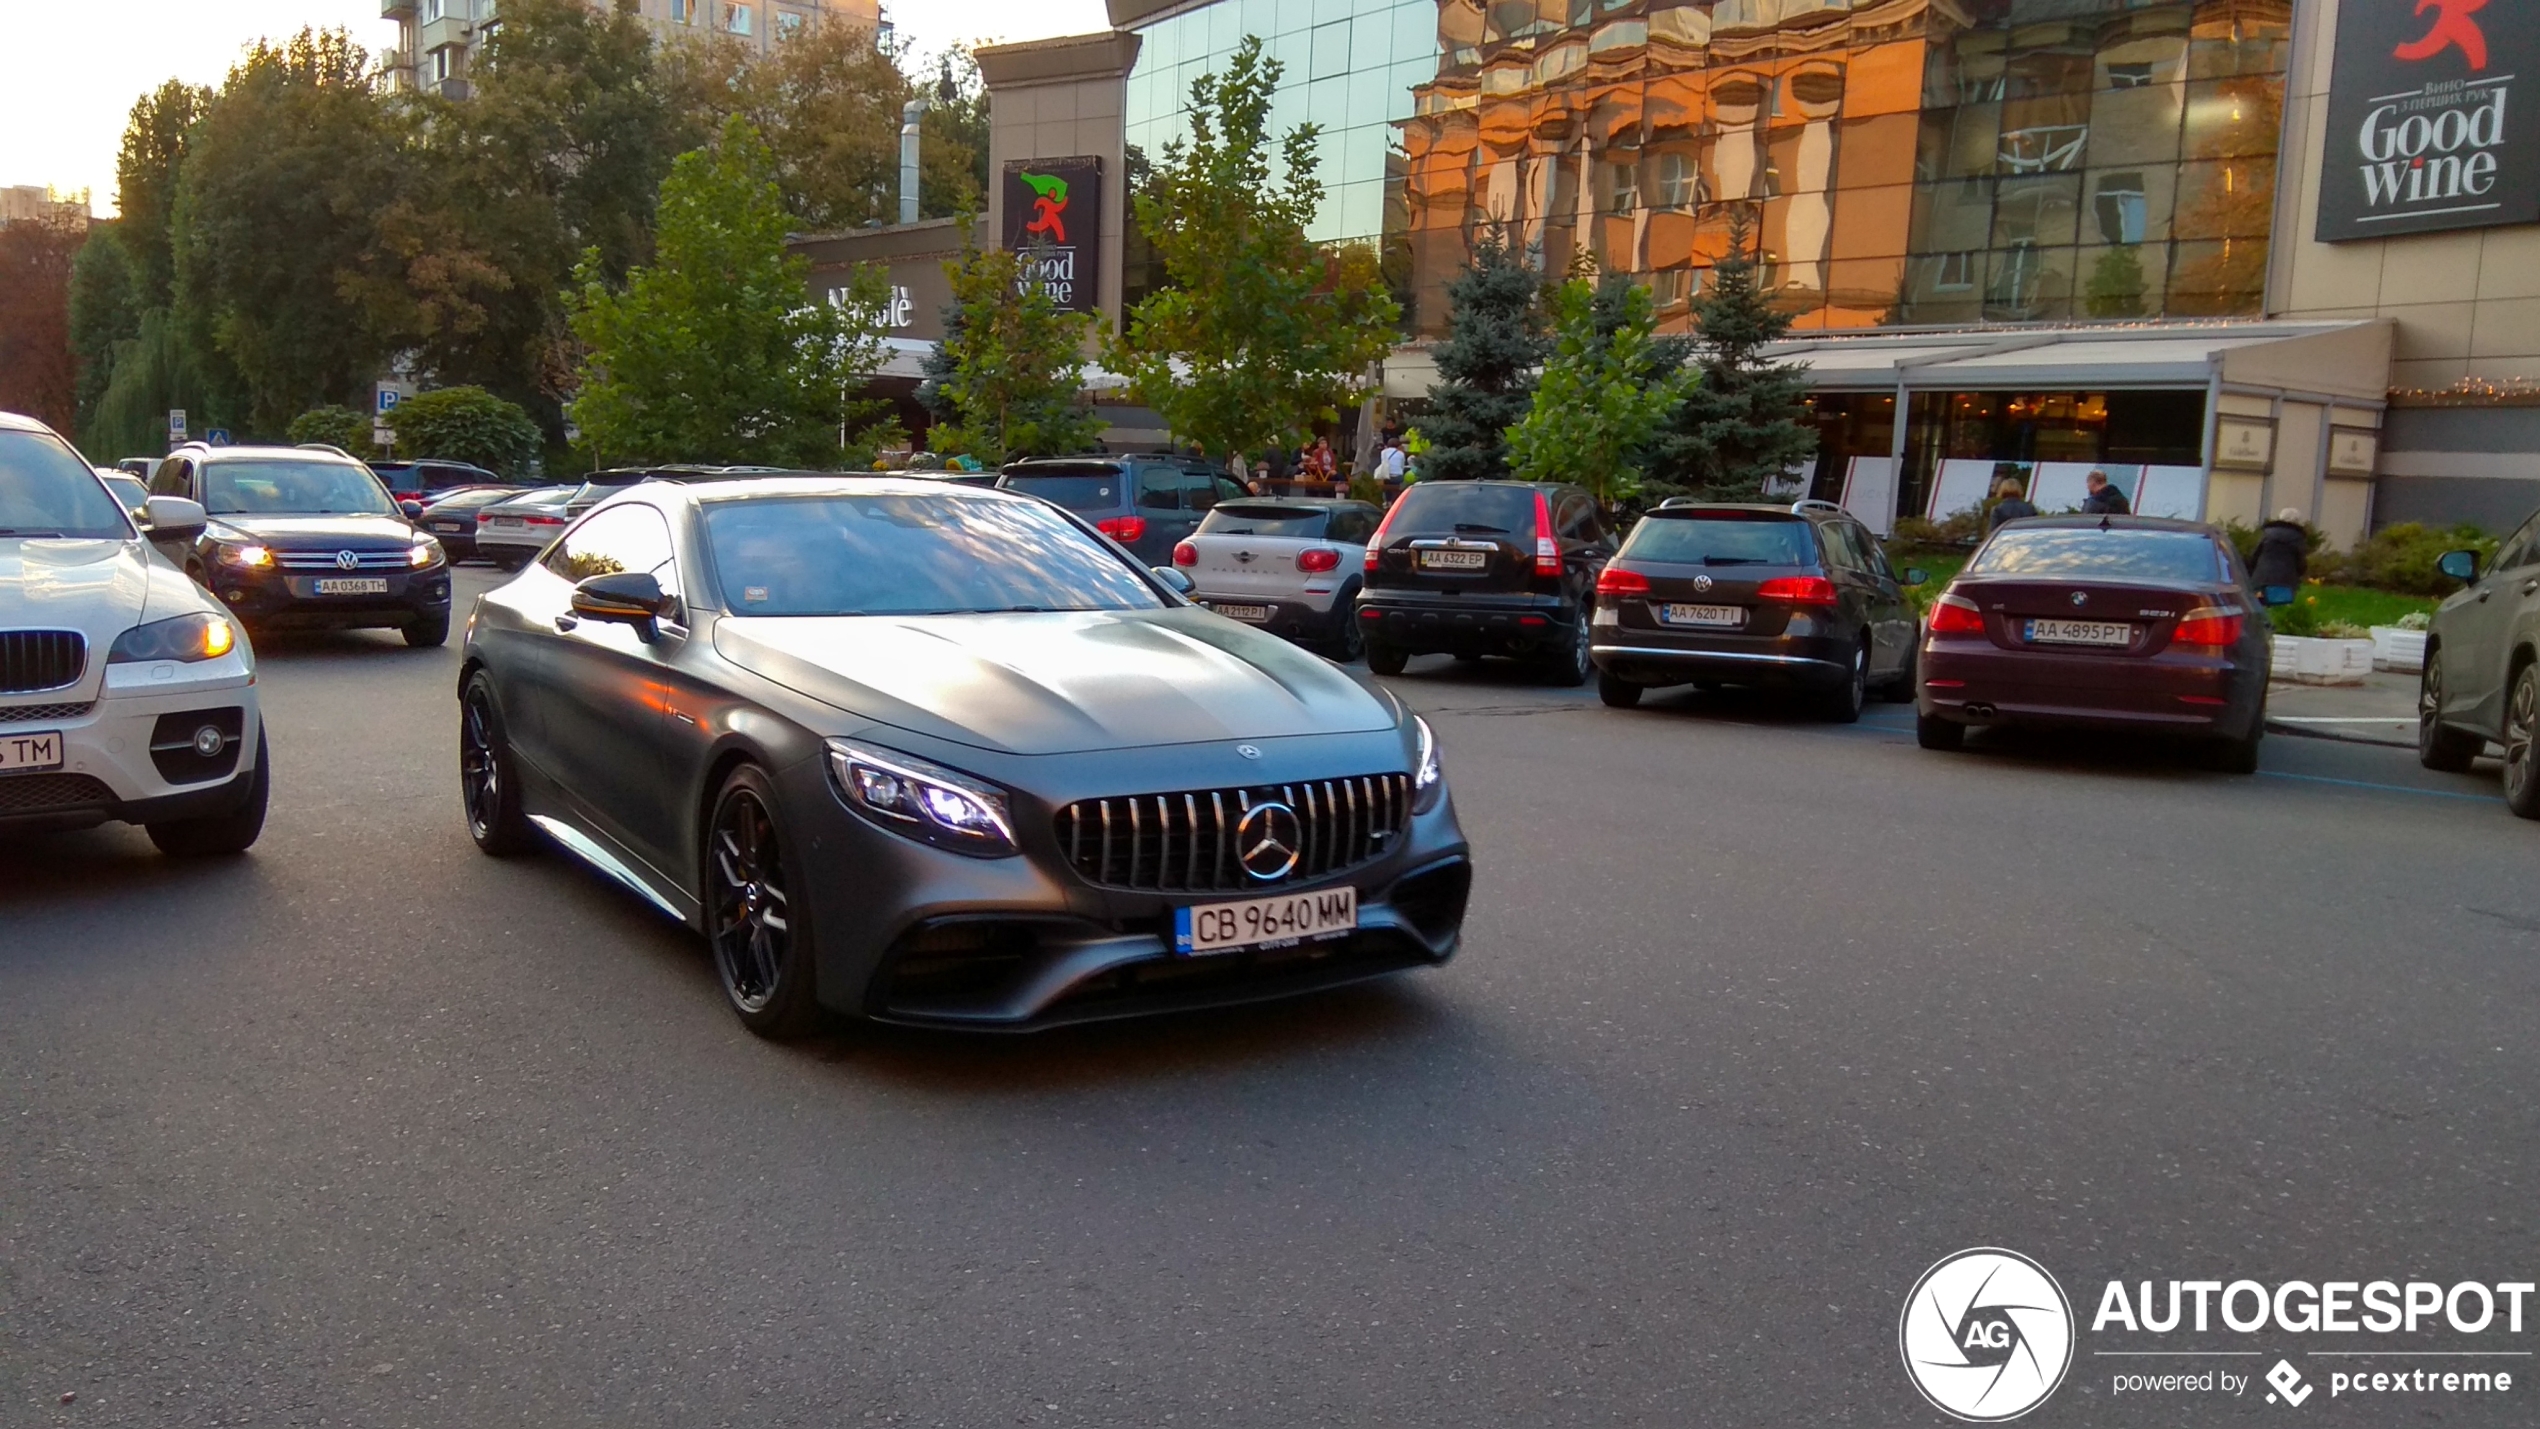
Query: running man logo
(1050,201)
(2452,26)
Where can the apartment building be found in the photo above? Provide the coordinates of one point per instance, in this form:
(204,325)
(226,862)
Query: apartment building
(436,38)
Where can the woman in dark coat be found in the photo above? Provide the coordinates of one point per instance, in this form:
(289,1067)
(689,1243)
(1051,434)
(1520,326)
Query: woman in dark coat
(2284,555)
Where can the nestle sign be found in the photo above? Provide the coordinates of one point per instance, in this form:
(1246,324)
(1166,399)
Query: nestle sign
(2431,118)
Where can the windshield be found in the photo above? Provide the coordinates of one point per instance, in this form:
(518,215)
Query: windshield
(911,555)
(1721,541)
(1447,507)
(46,490)
(128,490)
(1086,488)
(1244,519)
(292,488)
(2086,553)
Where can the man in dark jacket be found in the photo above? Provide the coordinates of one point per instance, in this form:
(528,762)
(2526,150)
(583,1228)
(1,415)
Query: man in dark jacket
(2284,557)
(2104,498)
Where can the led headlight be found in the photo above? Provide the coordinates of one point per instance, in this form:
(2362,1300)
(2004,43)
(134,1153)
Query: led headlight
(923,800)
(201,636)
(254,558)
(426,552)
(1429,779)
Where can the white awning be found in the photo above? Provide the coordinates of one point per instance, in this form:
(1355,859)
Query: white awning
(2347,359)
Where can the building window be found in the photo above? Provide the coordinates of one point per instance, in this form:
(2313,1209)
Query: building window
(2121,208)
(428,12)
(2129,76)
(1622,186)
(683,12)
(1677,181)
(1667,287)
(788,24)
(1957,273)
(736,19)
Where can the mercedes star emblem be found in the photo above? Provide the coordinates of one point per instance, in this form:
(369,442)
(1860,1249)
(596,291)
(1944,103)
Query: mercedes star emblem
(346,561)
(1268,841)
(1248,751)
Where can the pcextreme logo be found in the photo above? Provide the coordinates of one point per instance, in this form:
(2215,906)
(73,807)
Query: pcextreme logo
(1051,203)
(1986,1335)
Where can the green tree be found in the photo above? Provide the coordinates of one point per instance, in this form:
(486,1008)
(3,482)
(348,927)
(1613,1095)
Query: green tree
(105,309)
(1600,399)
(276,220)
(952,153)
(827,101)
(1746,422)
(1259,334)
(1013,363)
(1486,365)
(155,370)
(712,352)
(466,424)
(146,170)
(334,425)
(2115,288)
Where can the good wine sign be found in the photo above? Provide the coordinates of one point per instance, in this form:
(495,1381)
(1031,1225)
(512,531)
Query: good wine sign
(2431,121)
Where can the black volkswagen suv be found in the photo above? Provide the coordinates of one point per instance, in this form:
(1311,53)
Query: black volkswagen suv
(1474,568)
(1785,597)
(304,538)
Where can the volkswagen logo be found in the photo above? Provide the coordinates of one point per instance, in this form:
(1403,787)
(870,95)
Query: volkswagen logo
(1701,582)
(1269,841)
(2081,597)
(347,561)
(1986,1335)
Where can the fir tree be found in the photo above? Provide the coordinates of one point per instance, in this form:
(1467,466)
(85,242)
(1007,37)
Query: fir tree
(1486,365)
(1745,422)
(1602,394)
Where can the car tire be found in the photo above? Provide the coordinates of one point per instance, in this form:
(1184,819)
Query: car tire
(1571,667)
(223,834)
(1616,691)
(1933,732)
(758,933)
(1900,691)
(1385,659)
(489,779)
(2439,745)
(2522,758)
(2235,756)
(1349,635)
(1843,704)
(429,632)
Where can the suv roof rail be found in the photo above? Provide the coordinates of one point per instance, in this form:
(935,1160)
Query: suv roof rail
(323,447)
(1810,503)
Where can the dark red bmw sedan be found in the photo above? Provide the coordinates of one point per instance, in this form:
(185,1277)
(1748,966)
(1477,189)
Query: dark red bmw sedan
(2119,622)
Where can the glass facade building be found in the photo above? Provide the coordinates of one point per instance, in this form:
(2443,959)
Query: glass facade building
(1908,162)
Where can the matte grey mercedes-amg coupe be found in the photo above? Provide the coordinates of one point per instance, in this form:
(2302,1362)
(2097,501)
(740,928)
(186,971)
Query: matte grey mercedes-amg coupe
(938,755)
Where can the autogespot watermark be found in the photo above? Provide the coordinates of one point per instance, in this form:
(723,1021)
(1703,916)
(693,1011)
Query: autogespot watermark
(1987,1335)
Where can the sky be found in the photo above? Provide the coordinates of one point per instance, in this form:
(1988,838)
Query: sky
(73,79)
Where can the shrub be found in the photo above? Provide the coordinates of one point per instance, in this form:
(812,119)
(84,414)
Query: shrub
(2401,558)
(466,424)
(2301,618)
(335,426)
(1959,532)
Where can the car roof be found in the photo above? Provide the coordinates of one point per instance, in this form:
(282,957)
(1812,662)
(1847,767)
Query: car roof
(1293,503)
(819,483)
(13,422)
(1680,510)
(201,451)
(2084,520)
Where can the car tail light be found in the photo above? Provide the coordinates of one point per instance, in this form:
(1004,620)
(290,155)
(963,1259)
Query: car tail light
(542,520)
(1956,615)
(1615,581)
(1798,590)
(1185,554)
(2211,625)
(1318,558)
(1124,529)
(1376,543)
(1547,550)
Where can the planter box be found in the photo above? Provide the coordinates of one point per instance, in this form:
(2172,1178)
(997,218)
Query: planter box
(2322,662)
(2397,649)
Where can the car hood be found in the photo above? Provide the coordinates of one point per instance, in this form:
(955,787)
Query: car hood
(322,532)
(98,588)
(1057,683)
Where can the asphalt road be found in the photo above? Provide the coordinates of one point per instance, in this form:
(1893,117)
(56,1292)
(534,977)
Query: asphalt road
(1756,1019)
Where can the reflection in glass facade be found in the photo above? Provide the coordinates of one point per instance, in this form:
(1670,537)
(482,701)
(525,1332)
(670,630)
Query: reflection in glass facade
(1911,161)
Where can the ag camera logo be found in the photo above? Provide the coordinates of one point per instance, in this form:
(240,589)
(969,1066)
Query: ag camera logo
(1986,1335)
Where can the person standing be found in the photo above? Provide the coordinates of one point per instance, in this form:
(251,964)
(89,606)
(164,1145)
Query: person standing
(2010,503)
(2283,558)
(1395,463)
(2105,499)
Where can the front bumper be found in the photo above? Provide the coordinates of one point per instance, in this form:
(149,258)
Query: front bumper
(288,600)
(128,755)
(908,933)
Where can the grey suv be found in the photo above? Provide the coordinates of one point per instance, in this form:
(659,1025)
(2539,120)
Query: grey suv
(1149,504)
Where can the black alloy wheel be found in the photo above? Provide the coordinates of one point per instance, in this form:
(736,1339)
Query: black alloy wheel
(1616,691)
(762,947)
(428,632)
(2522,724)
(2439,746)
(1571,666)
(1349,633)
(488,791)
(1383,658)
(1900,691)
(1844,704)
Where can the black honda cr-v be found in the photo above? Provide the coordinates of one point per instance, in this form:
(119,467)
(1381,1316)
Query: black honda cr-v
(1476,568)
(1784,597)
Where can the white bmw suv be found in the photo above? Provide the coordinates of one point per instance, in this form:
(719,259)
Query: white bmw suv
(126,692)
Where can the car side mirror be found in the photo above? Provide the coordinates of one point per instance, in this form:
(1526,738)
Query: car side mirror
(1179,583)
(1916,575)
(624,598)
(173,518)
(413,510)
(2461,566)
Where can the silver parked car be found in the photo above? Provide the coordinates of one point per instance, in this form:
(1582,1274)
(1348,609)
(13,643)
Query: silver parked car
(1290,565)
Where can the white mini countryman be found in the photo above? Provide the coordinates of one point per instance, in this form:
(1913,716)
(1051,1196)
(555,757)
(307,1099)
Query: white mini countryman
(125,691)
